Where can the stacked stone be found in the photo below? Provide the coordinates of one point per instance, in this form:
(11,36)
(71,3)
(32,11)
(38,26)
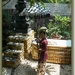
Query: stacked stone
(24,38)
(19,48)
(15,50)
(27,44)
(31,34)
(34,51)
(13,55)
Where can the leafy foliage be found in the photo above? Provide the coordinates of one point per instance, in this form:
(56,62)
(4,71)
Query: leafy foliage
(50,1)
(59,26)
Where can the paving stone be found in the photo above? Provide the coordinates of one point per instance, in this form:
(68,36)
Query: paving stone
(30,68)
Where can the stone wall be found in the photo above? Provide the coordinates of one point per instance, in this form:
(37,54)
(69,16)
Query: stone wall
(61,9)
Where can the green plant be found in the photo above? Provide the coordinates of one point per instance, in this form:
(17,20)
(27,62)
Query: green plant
(59,26)
(32,2)
(6,16)
(51,1)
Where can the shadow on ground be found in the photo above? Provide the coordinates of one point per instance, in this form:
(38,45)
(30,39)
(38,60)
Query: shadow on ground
(24,70)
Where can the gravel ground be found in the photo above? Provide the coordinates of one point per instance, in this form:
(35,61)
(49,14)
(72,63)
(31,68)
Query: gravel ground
(29,67)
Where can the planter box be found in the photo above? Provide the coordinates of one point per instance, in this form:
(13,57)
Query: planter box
(59,51)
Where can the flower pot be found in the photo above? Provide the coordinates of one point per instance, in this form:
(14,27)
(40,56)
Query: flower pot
(56,37)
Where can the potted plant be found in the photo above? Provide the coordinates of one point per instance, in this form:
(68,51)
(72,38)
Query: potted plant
(53,30)
(59,27)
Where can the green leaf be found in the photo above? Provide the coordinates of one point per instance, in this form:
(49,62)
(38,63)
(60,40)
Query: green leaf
(43,5)
(51,1)
(56,1)
(32,2)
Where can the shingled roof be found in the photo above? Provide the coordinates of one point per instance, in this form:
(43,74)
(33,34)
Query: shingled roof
(36,9)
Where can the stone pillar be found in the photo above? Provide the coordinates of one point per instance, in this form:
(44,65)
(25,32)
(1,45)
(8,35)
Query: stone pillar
(22,23)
